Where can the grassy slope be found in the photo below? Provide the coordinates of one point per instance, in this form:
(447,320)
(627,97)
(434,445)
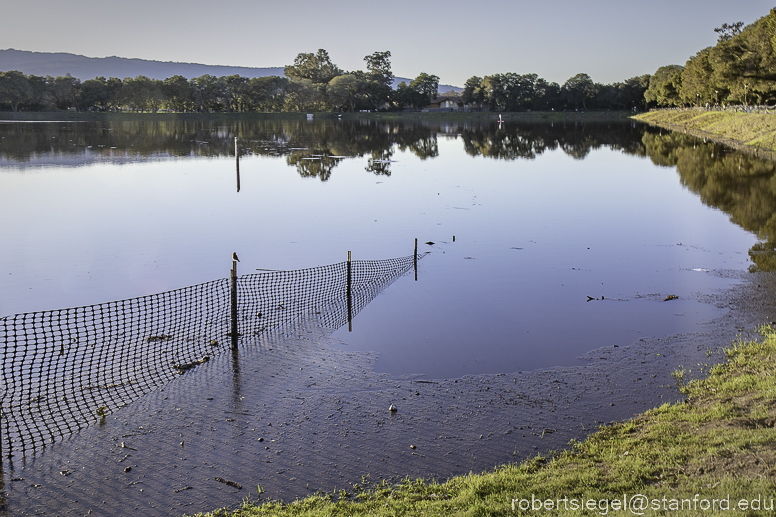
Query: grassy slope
(750,129)
(720,442)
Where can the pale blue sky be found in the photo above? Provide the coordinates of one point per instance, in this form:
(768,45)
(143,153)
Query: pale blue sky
(611,40)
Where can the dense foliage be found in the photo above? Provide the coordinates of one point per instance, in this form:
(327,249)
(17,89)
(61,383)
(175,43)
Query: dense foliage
(739,69)
(312,83)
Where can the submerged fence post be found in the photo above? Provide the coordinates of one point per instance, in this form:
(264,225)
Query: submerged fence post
(416,259)
(237,162)
(350,300)
(233,294)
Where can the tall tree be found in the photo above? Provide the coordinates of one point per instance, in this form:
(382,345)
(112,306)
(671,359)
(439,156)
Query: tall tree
(697,87)
(663,83)
(317,68)
(268,93)
(578,90)
(378,81)
(727,32)
(209,93)
(427,85)
(473,92)
(344,90)
(406,97)
(237,97)
(94,94)
(378,65)
(178,93)
(65,91)
(15,89)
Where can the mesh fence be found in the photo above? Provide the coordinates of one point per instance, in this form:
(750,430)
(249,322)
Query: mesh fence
(63,369)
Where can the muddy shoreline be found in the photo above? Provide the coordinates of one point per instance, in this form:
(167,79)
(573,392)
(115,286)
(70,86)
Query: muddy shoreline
(295,414)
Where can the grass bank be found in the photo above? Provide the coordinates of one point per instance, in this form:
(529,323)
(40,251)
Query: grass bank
(715,450)
(753,131)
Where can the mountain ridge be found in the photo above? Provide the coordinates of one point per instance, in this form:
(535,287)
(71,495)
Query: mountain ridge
(82,67)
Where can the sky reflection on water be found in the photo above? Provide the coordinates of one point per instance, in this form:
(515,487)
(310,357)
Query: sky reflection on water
(534,238)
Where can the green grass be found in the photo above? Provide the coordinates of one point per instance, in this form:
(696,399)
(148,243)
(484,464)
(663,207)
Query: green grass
(719,443)
(752,130)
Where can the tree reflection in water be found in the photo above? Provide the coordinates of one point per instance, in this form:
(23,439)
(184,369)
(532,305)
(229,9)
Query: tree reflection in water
(741,185)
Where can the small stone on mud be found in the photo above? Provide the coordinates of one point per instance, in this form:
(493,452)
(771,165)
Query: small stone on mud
(392,408)
(412,447)
(127,469)
(261,439)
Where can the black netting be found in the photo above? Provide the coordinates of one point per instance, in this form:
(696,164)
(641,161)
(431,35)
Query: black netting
(63,369)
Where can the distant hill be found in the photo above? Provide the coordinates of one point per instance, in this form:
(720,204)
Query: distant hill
(61,63)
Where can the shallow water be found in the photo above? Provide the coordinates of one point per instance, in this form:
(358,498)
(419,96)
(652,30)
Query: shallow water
(524,224)
(568,239)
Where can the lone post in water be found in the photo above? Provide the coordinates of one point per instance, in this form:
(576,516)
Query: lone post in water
(415,261)
(237,161)
(350,300)
(233,293)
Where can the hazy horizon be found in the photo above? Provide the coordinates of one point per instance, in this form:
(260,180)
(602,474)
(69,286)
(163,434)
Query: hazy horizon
(611,41)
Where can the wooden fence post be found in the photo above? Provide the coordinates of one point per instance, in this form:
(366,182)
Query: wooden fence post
(233,294)
(416,259)
(350,299)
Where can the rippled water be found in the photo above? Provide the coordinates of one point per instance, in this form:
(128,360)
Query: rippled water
(546,241)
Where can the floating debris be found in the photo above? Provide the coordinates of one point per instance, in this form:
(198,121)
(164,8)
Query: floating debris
(670,297)
(161,337)
(235,484)
(188,366)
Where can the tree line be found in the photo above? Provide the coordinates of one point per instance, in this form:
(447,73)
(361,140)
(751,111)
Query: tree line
(529,92)
(312,83)
(739,69)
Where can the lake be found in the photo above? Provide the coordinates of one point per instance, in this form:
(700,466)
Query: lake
(544,216)
(565,270)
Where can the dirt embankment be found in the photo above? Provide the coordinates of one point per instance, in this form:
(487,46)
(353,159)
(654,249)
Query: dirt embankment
(750,132)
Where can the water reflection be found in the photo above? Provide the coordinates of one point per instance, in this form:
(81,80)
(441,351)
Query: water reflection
(314,149)
(741,185)
(536,237)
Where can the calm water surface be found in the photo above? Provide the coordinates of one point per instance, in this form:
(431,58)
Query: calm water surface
(524,224)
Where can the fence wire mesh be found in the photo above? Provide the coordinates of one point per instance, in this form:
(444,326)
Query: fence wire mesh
(66,368)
